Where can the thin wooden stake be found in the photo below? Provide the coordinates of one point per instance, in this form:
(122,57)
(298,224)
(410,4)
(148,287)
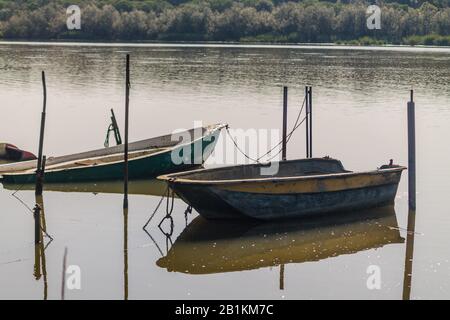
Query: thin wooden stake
(407,279)
(39,178)
(285,103)
(411,153)
(310,121)
(307,119)
(127,105)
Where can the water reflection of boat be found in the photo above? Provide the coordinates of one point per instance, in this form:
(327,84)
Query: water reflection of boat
(298,188)
(206,247)
(139,187)
(147,158)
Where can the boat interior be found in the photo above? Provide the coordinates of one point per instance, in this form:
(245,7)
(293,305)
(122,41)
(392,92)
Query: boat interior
(300,167)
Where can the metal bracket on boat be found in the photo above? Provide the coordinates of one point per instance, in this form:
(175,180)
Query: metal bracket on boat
(113,127)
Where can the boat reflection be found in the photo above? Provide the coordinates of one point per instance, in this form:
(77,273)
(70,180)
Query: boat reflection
(206,247)
(151,187)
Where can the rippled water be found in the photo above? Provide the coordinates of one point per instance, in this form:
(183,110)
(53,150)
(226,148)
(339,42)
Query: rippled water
(360,97)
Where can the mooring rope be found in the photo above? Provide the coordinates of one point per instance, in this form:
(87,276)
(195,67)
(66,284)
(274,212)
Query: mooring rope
(156,209)
(14,195)
(288,137)
(169,211)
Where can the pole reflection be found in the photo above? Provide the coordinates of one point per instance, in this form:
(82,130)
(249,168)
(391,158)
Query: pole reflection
(409,253)
(40,265)
(125,253)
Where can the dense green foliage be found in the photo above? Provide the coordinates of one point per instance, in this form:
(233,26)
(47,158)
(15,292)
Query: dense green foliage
(405,21)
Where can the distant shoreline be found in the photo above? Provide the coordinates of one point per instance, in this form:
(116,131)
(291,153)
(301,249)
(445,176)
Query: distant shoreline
(220,44)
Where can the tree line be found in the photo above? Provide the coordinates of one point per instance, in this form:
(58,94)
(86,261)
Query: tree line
(228,20)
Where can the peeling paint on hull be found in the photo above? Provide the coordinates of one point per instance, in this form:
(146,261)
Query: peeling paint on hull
(287,196)
(222,204)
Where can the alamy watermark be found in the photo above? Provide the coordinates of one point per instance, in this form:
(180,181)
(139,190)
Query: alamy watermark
(233,146)
(374,280)
(73,277)
(73,21)
(373,21)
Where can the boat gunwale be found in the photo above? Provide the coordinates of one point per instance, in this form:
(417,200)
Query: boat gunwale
(211,129)
(172,178)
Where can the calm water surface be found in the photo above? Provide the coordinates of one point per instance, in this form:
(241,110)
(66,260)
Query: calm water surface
(360,100)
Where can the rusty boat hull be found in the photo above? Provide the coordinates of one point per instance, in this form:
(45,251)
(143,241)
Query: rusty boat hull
(303,187)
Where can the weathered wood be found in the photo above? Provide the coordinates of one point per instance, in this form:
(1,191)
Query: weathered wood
(310,121)
(127,107)
(411,153)
(39,177)
(307,120)
(284,143)
(308,116)
(300,188)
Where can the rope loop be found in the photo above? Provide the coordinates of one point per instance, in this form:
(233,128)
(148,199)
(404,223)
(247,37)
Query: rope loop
(172,225)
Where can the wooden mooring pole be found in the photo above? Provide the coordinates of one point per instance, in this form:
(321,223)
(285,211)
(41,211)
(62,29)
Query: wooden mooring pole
(310,121)
(307,119)
(39,174)
(407,279)
(308,104)
(38,208)
(285,103)
(411,153)
(127,105)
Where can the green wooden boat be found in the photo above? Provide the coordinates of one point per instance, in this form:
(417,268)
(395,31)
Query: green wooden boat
(147,159)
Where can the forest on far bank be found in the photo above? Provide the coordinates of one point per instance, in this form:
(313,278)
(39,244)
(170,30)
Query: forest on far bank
(310,21)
